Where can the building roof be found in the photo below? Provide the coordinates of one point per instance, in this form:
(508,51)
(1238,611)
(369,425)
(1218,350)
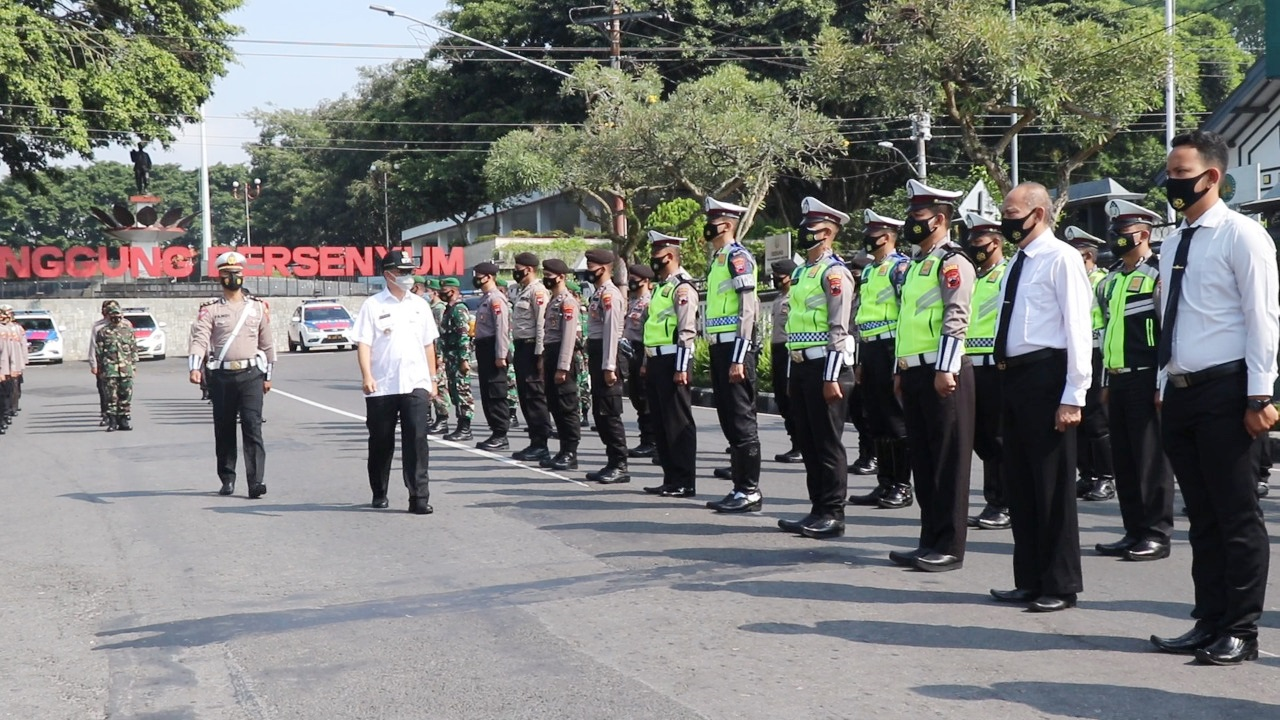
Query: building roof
(484,212)
(1257,94)
(1092,191)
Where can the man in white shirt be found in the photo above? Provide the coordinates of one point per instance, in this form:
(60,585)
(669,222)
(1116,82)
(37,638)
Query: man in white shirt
(395,331)
(1218,366)
(1044,347)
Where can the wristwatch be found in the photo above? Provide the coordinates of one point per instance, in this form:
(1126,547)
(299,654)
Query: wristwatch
(1259,404)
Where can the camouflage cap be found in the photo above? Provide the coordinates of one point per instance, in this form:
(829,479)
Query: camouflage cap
(111,307)
(572,284)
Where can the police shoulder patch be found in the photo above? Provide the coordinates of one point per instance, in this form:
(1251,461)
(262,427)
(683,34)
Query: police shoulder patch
(951,276)
(607,300)
(834,282)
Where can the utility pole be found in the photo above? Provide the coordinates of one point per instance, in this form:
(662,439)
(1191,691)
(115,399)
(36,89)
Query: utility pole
(1169,95)
(921,132)
(1013,100)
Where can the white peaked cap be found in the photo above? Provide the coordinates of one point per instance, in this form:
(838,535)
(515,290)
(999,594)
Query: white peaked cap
(871,217)
(973,220)
(920,194)
(1123,212)
(714,207)
(1077,236)
(657,239)
(814,209)
(231,259)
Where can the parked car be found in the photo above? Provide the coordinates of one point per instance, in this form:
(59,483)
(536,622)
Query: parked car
(321,322)
(148,332)
(44,335)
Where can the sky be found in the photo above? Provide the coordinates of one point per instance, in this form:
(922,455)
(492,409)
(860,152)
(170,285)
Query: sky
(273,71)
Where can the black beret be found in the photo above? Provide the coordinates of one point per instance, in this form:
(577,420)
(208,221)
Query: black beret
(556,266)
(785,266)
(395,260)
(486,268)
(527,259)
(600,256)
(640,271)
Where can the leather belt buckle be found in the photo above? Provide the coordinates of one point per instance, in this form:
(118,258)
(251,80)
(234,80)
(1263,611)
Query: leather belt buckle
(902,364)
(797,356)
(1002,365)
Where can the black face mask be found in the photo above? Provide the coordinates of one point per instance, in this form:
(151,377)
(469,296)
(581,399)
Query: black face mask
(520,274)
(780,283)
(917,230)
(1182,191)
(872,242)
(1121,243)
(633,287)
(807,239)
(1015,229)
(231,282)
(551,282)
(477,283)
(978,254)
(659,265)
(597,278)
(710,231)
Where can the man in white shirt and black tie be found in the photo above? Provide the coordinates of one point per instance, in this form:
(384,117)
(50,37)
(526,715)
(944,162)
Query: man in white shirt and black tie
(1044,347)
(1218,366)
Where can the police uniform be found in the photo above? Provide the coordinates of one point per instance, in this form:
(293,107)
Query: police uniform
(13,360)
(820,349)
(606,313)
(979,345)
(876,320)
(560,335)
(780,361)
(1097,481)
(232,342)
(527,327)
(639,282)
(670,329)
(1129,297)
(493,321)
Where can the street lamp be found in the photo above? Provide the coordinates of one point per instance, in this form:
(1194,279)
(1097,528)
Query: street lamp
(248,193)
(890,146)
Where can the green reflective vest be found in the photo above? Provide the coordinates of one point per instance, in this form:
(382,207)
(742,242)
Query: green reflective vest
(920,326)
(807,324)
(878,300)
(984,310)
(660,325)
(724,306)
(1096,277)
(1132,331)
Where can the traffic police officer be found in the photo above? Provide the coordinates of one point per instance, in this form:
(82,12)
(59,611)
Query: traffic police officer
(935,379)
(561,331)
(1094,453)
(640,289)
(606,313)
(234,334)
(669,333)
(877,326)
(780,362)
(1129,297)
(527,327)
(984,245)
(493,354)
(821,351)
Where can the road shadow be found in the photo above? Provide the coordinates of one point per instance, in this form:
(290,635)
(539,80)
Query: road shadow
(645,527)
(748,557)
(257,507)
(1105,702)
(105,498)
(950,637)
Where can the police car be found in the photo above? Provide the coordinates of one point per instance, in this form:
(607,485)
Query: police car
(321,322)
(147,332)
(44,335)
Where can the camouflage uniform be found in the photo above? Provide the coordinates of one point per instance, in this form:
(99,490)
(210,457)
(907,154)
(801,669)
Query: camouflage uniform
(456,335)
(116,353)
(580,355)
(439,404)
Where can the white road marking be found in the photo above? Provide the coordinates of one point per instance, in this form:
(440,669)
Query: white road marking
(448,443)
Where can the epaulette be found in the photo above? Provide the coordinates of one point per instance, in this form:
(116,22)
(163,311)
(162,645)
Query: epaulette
(213,301)
(954,250)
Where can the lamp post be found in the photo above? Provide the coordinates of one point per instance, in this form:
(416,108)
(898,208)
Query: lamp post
(249,193)
(890,146)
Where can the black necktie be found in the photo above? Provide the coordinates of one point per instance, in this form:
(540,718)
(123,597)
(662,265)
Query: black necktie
(1006,308)
(1165,352)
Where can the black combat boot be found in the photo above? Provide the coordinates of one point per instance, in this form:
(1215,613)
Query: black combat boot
(122,422)
(462,433)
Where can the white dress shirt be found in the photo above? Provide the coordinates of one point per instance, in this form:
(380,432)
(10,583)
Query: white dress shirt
(397,333)
(1053,309)
(1230,306)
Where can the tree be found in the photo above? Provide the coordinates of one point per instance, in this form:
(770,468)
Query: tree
(84,75)
(723,134)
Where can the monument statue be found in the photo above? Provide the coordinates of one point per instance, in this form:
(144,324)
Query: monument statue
(141,167)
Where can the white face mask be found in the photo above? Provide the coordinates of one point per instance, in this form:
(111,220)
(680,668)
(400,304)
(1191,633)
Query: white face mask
(404,282)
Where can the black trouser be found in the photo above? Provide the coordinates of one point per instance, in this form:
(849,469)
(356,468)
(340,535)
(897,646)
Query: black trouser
(238,392)
(532,392)
(493,386)
(941,447)
(1262,447)
(672,407)
(638,391)
(736,410)
(1212,456)
(606,406)
(413,410)
(987,441)
(4,399)
(15,394)
(562,399)
(102,393)
(883,410)
(1040,465)
(820,431)
(1094,435)
(781,362)
(1144,481)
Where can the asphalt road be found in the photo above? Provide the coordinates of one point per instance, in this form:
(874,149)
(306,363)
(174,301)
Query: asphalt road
(129,589)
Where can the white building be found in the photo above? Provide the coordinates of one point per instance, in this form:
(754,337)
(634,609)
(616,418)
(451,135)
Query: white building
(536,213)
(1249,120)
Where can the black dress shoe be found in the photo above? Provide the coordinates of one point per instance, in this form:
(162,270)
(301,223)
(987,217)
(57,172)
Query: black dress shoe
(823,529)
(1103,489)
(993,518)
(659,489)
(379,503)
(421,507)
(257,491)
(1263,489)
(678,492)
(546,461)
(736,502)
(899,496)
(938,562)
(791,456)
(906,559)
(1228,650)
(1052,603)
(724,473)
(228,487)
(795,526)
(1148,550)
(531,453)
(595,475)
(864,466)
(1015,595)
(615,475)
(643,450)
(1119,548)
(871,499)
(565,461)
(494,443)
(1187,643)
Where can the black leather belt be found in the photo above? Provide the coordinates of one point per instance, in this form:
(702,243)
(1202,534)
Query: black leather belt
(1031,357)
(1201,377)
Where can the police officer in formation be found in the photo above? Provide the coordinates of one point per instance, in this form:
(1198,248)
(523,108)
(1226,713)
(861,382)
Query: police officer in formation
(984,245)
(935,379)
(493,354)
(781,361)
(456,342)
(606,312)
(732,328)
(1129,296)
(640,292)
(13,361)
(231,342)
(115,353)
(670,329)
(876,321)
(527,328)
(561,330)
(820,348)
(1097,480)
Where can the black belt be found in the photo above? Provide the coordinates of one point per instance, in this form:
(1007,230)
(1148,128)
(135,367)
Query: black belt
(526,340)
(1201,377)
(1031,357)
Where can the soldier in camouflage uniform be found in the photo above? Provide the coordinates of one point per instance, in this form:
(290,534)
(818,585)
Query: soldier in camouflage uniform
(440,403)
(116,353)
(580,355)
(455,333)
